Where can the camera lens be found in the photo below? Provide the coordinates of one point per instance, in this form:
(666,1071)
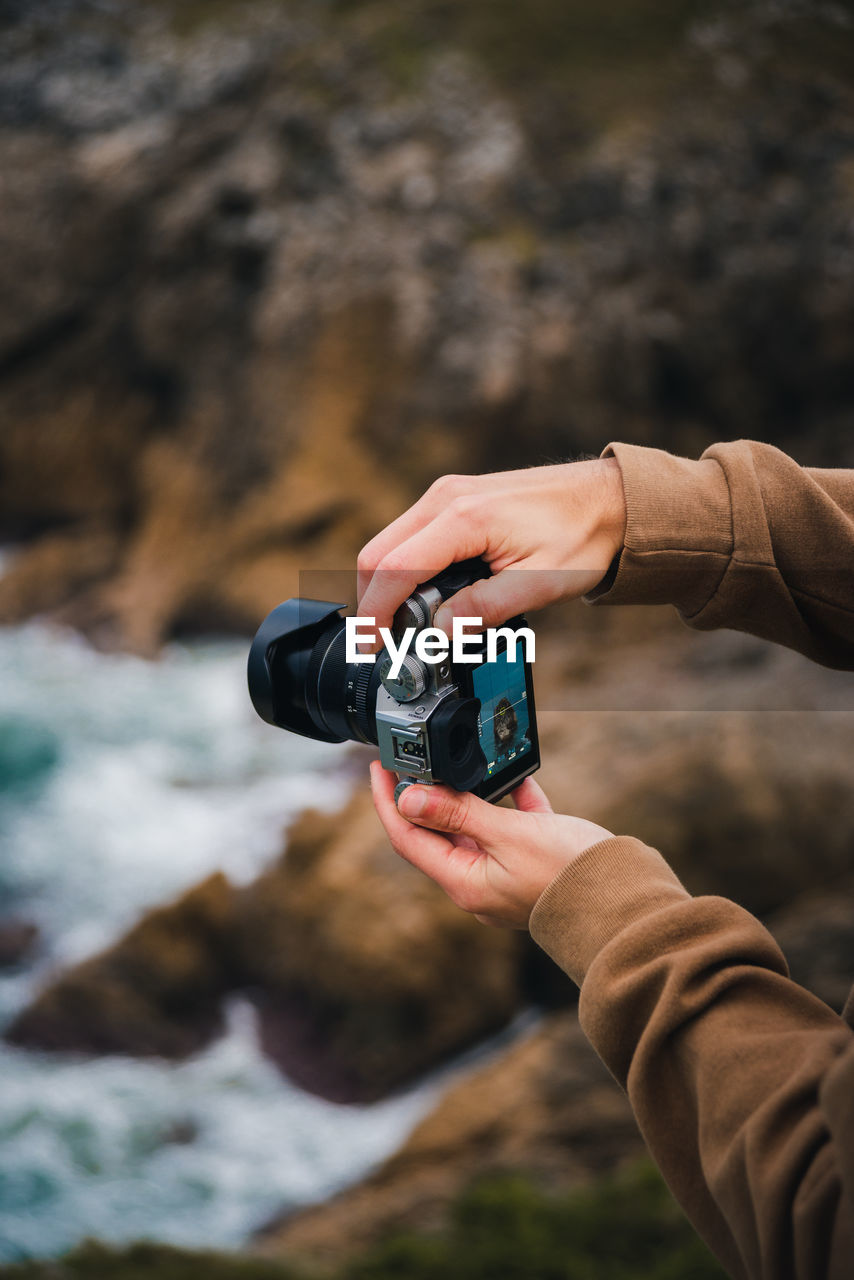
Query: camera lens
(299,678)
(343,695)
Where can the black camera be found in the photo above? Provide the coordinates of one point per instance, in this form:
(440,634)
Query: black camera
(469,723)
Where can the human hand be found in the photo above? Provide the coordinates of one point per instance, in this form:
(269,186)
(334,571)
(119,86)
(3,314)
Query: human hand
(491,861)
(562,523)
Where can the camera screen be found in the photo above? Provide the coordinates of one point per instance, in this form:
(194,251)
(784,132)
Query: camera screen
(503,724)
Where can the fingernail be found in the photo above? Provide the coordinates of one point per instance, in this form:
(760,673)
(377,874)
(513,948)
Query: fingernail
(412,802)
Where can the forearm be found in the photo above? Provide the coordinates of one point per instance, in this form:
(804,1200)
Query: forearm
(744,538)
(688,1002)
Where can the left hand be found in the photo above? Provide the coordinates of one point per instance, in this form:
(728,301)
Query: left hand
(491,861)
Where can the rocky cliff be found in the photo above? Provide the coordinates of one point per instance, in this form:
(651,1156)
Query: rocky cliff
(269,269)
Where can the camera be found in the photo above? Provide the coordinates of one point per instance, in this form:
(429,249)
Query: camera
(469,723)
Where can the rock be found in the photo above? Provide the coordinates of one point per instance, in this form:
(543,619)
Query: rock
(49,573)
(351,956)
(259,295)
(17,938)
(817,940)
(358,958)
(546,1107)
(729,755)
(156,992)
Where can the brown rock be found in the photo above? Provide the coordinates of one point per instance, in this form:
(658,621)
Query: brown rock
(547,1106)
(364,974)
(157,991)
(252,311)
(816,934)
(51,572)
(660,733)
(369,975)
(730,755)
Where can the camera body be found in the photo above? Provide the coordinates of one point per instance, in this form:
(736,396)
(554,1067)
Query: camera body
(468,724)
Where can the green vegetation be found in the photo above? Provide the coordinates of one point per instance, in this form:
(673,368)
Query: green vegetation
(544,42)
(593,63)
(624,1228)
(145,1261)
(571,44)
(503,1228)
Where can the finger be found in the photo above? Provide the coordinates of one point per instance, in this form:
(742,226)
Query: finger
(457,812)
(502,596)
(428,506)
(427,850)
(439,496)
(445,540)
(529,797)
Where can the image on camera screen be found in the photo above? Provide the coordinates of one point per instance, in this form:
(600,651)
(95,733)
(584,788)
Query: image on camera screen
(503,722)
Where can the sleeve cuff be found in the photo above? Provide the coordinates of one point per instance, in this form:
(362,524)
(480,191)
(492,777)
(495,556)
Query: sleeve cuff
(611,885)
(679,538)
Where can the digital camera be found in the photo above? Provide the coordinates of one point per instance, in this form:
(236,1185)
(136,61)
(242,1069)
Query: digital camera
(470,724)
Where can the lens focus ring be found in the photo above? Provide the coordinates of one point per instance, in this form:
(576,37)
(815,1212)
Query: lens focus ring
(364,715)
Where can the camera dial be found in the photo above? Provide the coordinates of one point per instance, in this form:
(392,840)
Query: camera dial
(410,681)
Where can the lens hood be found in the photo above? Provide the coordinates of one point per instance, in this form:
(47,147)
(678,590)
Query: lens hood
(278,661)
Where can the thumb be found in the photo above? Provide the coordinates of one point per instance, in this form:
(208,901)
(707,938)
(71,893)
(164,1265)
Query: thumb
(529,797)
(457,812)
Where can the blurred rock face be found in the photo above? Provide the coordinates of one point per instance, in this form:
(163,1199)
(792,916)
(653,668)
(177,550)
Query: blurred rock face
(259,290)
(547,1106)
(365,975)
(363,972)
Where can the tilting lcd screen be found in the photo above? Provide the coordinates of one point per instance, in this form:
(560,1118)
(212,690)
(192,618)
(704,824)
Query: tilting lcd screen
(503,723)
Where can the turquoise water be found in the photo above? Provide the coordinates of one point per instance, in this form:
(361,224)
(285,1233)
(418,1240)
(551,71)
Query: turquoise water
(123,782)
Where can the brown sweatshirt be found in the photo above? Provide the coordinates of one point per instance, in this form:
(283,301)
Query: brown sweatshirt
(742,1082)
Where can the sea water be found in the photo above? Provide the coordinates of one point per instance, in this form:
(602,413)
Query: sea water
(123,782)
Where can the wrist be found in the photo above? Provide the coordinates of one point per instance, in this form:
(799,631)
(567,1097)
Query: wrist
(611,517)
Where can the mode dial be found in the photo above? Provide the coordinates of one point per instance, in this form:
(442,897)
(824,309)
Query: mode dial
(410,681)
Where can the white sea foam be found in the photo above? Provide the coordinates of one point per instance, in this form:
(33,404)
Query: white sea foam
(89,1149)
(165,774)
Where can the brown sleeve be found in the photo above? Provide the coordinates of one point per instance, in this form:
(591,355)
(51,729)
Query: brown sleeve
(744,538)
(741,1081)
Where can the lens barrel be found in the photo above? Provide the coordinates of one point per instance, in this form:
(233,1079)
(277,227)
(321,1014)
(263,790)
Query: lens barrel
(299,678)
(342,694)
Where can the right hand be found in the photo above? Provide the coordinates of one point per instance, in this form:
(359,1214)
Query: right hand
(563,524)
